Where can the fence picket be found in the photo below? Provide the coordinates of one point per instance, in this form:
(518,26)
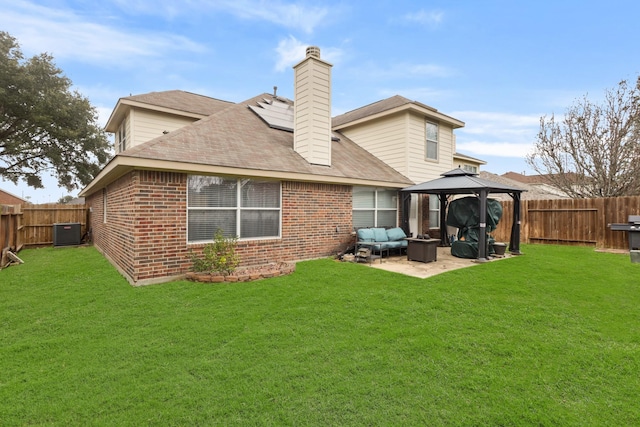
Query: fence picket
(571,221)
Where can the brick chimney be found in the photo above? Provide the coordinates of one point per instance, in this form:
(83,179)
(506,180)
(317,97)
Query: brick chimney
(312,108)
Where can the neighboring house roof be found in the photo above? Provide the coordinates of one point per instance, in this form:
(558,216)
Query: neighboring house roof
(76,201)
(529,179)
(533,192)
(236,141)
(7,198)
(170,101)
(388,106)
(515,176)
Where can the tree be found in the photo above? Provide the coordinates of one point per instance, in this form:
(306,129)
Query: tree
(594,151)
(44,126)
(65,199)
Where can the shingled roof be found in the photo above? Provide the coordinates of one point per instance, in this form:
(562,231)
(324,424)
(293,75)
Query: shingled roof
(389,105)
(182,101)
(236,138)
(175,102)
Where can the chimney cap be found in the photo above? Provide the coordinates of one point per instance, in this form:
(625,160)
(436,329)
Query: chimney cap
(313,51)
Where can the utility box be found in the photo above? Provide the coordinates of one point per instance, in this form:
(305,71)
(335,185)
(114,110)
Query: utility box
(67,234)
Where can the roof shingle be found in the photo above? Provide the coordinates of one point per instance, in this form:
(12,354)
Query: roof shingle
(236,137)
(182,101)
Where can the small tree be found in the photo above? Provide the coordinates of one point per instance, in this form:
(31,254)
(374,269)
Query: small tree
(44,126)
(217,257)
(594,151)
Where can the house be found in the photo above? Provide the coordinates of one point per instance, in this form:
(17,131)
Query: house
(7,198)
(283,176)
(532,191)
(542,183)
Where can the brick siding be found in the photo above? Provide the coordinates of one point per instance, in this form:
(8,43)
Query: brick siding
(145,234)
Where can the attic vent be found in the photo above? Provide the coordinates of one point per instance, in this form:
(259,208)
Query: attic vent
(277,114)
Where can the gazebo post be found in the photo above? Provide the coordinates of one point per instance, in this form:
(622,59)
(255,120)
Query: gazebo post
(444,236)
(514,241)
(482,238)
(406,207)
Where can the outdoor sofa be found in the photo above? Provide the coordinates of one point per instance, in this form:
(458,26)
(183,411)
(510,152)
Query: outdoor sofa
(379,240)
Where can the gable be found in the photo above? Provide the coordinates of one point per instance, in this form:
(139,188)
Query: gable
(174,102)
(391,106)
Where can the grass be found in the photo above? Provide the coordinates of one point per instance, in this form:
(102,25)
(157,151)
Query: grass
(548,338)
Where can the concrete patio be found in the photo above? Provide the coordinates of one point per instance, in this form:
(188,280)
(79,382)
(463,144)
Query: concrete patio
(445,262)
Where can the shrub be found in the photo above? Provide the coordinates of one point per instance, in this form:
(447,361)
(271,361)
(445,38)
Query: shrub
(217,257)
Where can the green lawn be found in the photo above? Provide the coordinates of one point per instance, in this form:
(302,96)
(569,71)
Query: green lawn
(548,338)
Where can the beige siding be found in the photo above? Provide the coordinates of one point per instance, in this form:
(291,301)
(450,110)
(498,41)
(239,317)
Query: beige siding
(422,169)
(312,137)
(146,125)
(463,163)
(400,141)
(386,139)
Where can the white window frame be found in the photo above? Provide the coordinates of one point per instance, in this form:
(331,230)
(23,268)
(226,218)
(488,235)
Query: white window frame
(375,207)
(434,210)
(121,136)
(238,210)
(431,141)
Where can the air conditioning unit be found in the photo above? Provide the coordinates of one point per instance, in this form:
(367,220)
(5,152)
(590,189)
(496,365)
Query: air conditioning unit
(67,234)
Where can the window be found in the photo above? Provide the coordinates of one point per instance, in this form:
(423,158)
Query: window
(469,168)
(121,136)
(434,211)
(374,207)
(246,208)
(432,141)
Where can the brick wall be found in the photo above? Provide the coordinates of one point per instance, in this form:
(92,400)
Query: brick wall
(10,199)
(146,229)
(114,236)
(160,224)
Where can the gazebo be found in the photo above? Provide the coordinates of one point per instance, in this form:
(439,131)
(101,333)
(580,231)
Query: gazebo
(459,181)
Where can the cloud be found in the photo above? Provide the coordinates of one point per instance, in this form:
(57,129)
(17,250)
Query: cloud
(496,134)
(65,34)
(289,15)
(431,18)
(498,149)
(294,15)
(290,51)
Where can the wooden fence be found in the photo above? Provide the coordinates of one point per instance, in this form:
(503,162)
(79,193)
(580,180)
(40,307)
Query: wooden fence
(10,226)
(32,225)
(571,221)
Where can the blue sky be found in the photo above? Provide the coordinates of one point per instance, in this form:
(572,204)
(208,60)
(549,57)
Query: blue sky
(496,65)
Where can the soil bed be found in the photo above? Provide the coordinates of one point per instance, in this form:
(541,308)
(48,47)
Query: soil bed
(245,274)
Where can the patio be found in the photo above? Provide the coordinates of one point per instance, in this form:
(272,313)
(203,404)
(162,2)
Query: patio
(445,262)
